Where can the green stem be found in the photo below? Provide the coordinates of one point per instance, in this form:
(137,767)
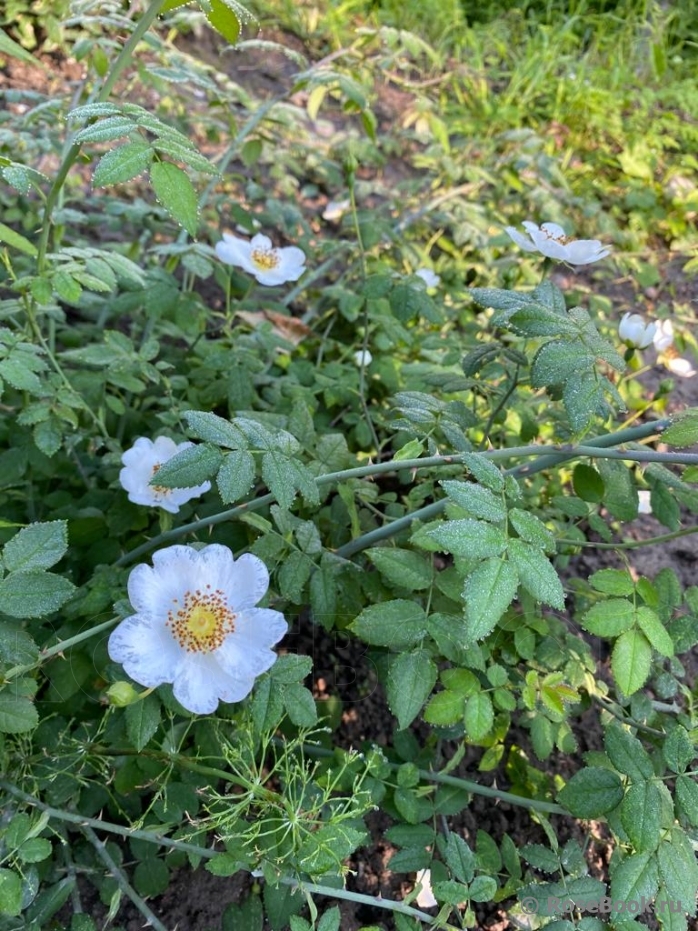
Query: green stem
(544,456)
(629,544)
(548,460)
(123,883)
(58,648)
(122,60)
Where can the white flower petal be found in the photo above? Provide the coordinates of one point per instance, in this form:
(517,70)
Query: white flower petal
(363,358)
(664,337)
(643,505)
(425,897)
(680,367)
(232,250)
(430,278)
(634,332)
(201,683)
(522,241)
(248,578)
(146,650)
(551,241)
(270,266)
(585,251)
(141,463)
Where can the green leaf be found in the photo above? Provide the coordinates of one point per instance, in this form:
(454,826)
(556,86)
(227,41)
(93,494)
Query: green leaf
(534,320)
(592,792)
(609,618)
(223,19)
(631,661)
(445,708)
(411,677)
(489,590)
(477,500)
(151,877)
(38,546)
(556,363)
(484,471)
(299,705)
(236,475)
(683,430)
(583,398)
(10,892)
(687,797)
(500,299)
(627,753)
(541,858)
(404,568)
(15,371)
(34,593)
(678,869)
(142,720)
(397,623)
(479,716)
(634,877)
(13,49)
(291,668)
(459,858)
(613,582)
(640,815)
(472,538)
(189,468)
(330,920)
(105,130)
(285,477)
(620,496)
(14,239)
(531,529)
(34,850)
(16,646)
(17,712)
(587,483)
(176,193)
(678,750)
(655,631)
(542,736)
(483,889)
(123,163)
(536,573)
(247,916)
(216,430)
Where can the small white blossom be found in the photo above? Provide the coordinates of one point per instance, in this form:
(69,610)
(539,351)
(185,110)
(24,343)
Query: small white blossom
(680,367)
(196,625)
(363,358)
(142,462)
(664,335)
(335,209)
(635,332)
(550,240)
(425,897)
(643,505)
(258,257)
(430,278)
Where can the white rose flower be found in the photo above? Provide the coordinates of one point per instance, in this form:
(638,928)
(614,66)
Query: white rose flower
(550,240)
(430,278)
(664,335)
(258,257)
(142,462)
(680,367)
(635,332)
(363,358)
(643,504)
(196,625)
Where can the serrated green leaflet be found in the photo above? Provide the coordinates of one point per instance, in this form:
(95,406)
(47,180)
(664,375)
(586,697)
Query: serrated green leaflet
(536,573)
(631,661)
(123,163)
(655,631)
(411,677)
(610,618)
(683,431)
(34,593)
(403,568)
(640,815)
(176,193)
(397,623)
(592,792)
(478,501)
(478,716)
(38,546)
(472,538)
(188,468)
(489,590)
(15,239)
(627,753)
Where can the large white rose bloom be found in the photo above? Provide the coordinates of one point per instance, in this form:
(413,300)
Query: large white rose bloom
(196,625)
(551,240)
(258,257)
(142,462)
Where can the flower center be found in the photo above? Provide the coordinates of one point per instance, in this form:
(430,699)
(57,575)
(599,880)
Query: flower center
(561,238)
(201,621)
(265,259)
(159,489)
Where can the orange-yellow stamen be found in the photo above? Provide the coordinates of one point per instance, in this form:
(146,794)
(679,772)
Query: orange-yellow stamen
(159,489)
(265,258)
(201,621)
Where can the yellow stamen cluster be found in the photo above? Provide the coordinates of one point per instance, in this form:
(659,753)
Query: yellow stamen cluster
(563,240)
(265,258)
(201,621)
(159,489)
